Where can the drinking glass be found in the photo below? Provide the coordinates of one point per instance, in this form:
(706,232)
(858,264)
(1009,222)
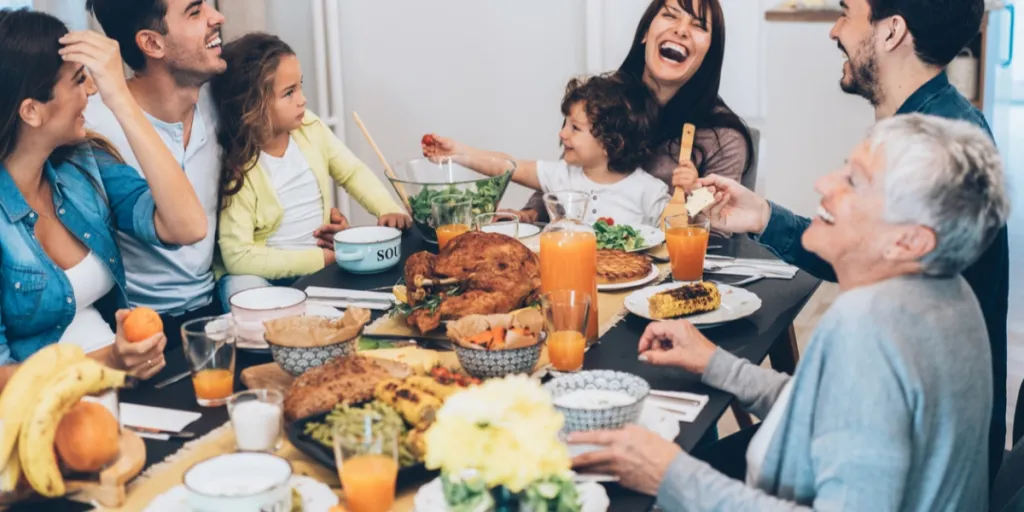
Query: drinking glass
(367,462)
(210,351)
(257,416)
(503,222)
(452,215)
(565,321)
(687,242)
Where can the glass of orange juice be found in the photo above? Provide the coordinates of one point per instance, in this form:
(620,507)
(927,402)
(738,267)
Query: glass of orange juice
(367,461)
(209,345)
(565,321)
(687,241)
(452,215)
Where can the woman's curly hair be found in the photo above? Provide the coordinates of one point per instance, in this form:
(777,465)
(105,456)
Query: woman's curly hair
(243,97)
(622,114)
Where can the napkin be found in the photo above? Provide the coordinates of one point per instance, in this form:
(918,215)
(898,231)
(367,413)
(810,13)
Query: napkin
(771,269)
(144,416)
(342,298)
(684,407)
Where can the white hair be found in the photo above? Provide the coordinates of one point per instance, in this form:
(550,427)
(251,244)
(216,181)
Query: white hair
(945,175)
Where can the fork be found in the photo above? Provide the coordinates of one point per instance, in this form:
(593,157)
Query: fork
(717,267)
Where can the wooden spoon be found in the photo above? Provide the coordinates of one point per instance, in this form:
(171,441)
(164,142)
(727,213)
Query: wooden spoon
(387,168)
(677,205)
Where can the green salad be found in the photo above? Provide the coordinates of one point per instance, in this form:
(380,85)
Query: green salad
(612,236)
(553,494)
(485,196)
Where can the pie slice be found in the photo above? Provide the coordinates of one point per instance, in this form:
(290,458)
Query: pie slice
(616,267)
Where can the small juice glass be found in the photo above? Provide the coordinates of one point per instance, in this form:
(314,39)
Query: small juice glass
(565,321)
(687,242)
(209,345)
(367,464)
(503,223)
(452,216)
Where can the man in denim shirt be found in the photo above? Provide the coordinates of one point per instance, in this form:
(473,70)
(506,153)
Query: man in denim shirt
(897,53)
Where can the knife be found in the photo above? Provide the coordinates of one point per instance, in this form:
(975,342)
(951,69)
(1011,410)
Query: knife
(184,434)
(172,380)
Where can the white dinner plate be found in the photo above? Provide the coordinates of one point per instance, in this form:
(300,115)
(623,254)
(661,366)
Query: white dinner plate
(651,276)
(652,236)
(736,303)
(316,497)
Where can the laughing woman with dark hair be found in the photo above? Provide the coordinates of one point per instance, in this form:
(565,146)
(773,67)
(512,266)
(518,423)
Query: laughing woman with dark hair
(678,52)
(64,192)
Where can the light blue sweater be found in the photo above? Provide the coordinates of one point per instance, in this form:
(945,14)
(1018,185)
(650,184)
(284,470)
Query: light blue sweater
(889,410)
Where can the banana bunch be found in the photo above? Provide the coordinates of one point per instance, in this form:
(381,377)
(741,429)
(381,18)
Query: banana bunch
(32,404)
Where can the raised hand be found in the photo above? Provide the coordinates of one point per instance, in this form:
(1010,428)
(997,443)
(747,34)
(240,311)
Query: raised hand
(102,57)
(737,209)
(435,146)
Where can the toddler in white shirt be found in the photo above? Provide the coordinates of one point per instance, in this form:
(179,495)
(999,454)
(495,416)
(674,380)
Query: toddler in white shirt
(608,126)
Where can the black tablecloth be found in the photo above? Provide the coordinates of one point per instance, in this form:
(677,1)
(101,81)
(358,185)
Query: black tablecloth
(750,338)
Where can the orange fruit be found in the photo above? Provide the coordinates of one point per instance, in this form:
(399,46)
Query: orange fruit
(88,437)
(142,323)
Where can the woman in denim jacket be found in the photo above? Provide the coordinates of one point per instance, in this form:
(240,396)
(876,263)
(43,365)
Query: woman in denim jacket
(64,193)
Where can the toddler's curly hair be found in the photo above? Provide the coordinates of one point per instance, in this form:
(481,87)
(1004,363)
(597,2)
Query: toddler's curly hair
(622,113)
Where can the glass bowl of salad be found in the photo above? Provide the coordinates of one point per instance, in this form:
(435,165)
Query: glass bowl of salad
(482,179)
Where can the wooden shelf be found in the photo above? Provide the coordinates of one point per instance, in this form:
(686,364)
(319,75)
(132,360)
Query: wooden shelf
(790,14)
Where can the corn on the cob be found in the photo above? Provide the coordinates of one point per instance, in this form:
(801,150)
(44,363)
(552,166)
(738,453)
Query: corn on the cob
(685,300)
(417,407)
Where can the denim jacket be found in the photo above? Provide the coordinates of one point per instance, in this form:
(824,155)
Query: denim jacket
(92,193)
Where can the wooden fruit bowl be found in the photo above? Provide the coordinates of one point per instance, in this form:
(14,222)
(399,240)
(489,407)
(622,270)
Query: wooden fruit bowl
(108,489)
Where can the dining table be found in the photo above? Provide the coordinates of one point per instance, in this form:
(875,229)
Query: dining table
(752,338)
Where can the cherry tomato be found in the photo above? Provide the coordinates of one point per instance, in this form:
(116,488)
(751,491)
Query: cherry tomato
(428,140)
(607,220)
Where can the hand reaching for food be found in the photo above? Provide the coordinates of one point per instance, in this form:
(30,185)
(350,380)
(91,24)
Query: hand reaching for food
(436,146)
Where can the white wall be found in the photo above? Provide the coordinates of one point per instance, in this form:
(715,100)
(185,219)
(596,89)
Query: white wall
(489,73)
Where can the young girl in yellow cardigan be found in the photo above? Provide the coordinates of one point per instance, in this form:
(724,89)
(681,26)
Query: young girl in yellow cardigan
(280,162)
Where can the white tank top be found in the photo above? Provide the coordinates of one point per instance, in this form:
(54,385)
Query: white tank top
(91,281)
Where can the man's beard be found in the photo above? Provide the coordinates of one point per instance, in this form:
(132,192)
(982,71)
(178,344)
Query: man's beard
(190,72)
(863,77)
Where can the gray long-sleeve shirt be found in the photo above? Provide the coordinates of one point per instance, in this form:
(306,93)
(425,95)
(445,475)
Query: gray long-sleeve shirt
(889,410)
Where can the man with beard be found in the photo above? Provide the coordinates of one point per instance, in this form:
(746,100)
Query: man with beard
(897,54)
(174,48)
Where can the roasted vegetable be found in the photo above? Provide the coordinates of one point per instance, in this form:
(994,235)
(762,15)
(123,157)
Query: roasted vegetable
(685,300)
(418,408)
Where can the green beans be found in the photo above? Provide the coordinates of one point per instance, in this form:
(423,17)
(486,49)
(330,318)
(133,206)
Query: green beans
(351,419)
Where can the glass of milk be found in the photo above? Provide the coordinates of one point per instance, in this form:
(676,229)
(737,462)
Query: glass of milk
(257,415)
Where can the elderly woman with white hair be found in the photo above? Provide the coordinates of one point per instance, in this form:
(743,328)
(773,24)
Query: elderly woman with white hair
(889,406)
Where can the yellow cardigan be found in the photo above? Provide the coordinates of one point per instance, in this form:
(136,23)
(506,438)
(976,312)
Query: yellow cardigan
(252,216)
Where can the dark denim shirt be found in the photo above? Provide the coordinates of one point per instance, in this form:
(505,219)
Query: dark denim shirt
(92,193)
(989,276)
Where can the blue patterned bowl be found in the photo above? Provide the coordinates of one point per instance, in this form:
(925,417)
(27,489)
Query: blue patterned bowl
(299,360)
(493,364)
(578,419)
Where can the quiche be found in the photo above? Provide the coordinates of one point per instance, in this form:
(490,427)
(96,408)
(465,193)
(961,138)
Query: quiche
(615,266)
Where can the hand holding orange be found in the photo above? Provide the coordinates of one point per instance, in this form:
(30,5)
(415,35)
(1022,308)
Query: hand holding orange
(142,323)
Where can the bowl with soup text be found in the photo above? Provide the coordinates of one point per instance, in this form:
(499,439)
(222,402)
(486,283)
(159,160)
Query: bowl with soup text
(368,249)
